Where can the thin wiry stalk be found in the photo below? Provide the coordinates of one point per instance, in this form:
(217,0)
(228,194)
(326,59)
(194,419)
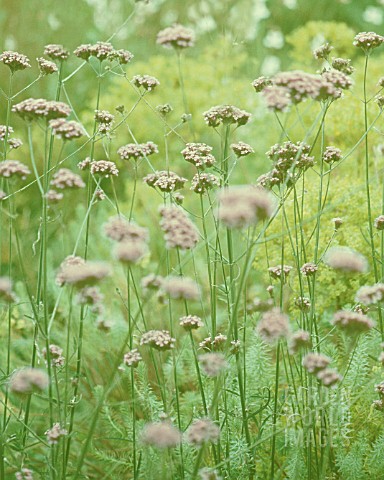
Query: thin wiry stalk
(212,286)
(174,361)
(133,190)
(367,178)
(9,327)
(89,182)
(83,310)
(274,416)
(130,329)
(368,194)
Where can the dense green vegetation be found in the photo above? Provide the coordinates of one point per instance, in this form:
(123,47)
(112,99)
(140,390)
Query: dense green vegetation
(148,328)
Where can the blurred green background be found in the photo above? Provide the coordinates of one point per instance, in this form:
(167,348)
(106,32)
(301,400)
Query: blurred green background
(259,25)
(237,40)
(260,29)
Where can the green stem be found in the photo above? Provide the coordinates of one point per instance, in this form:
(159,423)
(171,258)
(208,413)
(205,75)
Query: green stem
(89,186)
(174,363)
(130,331)
(9,332)
(367,180)
(8,116)
(76,383)
(115,196)
(212,285)
(198,462)
(274,417)
(320,198)
(133,191)
(198,372)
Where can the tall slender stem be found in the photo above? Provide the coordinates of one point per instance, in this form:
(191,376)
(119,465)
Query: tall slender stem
(274,416)
(367,176)
(367,186)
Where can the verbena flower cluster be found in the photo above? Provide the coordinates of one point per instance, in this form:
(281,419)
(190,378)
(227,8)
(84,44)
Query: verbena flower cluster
(379,222)
(177,36)
(332,154)
(343,65)
(201,183)
(180,288)
(161,435)
(14,60)
(55,355)
(55,433)
(147,82)
(368,40)
(56,52)
(132,358)
(226,115)
(369,295)
(309,269)
(243,206)
(66,130)
(104,120)
(317,364)
(346,260)
(158,339)
(289,161)
(104,168)
(280,271)
(298,341)
(290,88)
(135,151)
(103,51)
(242,149)
(352,321)
(214,343)
(179,231)
(80,273)
(13,168)
(165,181)
(24,474)
(322,52)
(25,381)
(191,322)
(120,229)
(213,364)
(46,67)
(199,154)
(36,108)
(273,325)
(65,178)
(202,431)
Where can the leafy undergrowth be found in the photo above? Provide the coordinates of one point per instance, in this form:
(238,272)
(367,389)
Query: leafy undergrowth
(176,303)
